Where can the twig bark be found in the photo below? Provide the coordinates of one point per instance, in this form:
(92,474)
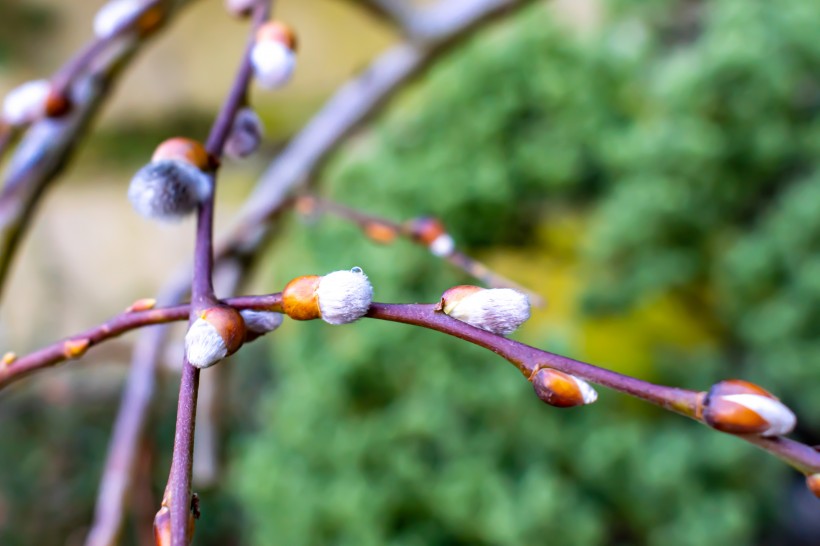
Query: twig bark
(49,144)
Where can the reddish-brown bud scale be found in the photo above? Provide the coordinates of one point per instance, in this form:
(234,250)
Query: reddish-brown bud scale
(740,407)
(142,304)
(228,323)
(300,300)
(454,295)
(57,104)
(813,483)
(277,31)
(425,229)
(75,348)
(380,232)
(183,149)
(150,20)
(560,389)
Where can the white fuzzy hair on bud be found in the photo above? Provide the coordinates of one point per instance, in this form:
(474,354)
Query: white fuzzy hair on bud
(589,394)
(497,310)
(261,322)
(113,14)
(204,347)
(239,7)
(26,103)
(273,63)
(246,134)
(442,246)
(780,418)
(344,296)
(168,189)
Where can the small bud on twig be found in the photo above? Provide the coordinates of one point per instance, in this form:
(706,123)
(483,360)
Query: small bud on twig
(239,8)
(431,232)
(261,322)
(340,297)
(218,332)
(813,483)
(142,304)
(112,15)
(75,348)
(497,310)
(562,390)
(26,103)
(173,183)
(274,55)
(246,134)
(740,407)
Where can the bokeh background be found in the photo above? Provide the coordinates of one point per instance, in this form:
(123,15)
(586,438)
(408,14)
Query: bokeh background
(650,167)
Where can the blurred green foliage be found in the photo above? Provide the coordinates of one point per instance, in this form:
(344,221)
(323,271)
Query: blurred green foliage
(685,137)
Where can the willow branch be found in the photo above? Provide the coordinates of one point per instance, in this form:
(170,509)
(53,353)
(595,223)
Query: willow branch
(202,296)
(48,145)
(384,231)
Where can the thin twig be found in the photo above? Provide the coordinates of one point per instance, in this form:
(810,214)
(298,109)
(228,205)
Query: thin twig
(385,231)
(48,145)
(202,297)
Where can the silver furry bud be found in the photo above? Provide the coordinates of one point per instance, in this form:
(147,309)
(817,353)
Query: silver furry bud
(168,189)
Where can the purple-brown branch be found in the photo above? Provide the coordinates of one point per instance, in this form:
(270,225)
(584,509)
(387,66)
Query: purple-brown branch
(525,358)
(178,490)
(385,231)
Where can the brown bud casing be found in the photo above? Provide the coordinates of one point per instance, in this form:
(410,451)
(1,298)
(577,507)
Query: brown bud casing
(183,149)
(561,390)
(453,296)
(300,300)
(228,323)
(813,483)
(740,407)
(75,348)
(150,20)
(380,232)
(57,104)
(277,31)
(425,229)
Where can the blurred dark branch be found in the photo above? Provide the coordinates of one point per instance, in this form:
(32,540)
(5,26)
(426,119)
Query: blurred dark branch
(426,232)
(48,145)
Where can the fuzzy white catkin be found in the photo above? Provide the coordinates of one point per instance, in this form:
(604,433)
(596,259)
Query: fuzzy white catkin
(780,418)
(344,296)
(26,103)
(113,14)
(246,134)
(204,346)
(442,246)
(261,322)
(168,189)
(273,63)
(497,310)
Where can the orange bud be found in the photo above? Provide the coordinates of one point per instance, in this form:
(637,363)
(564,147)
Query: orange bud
(380,232)
(75,348)
(813,483)
(425,229)
(453,296)
(740,407)
(150,20)
(300,300)
(185,150)
(142,304)
(57,104)
(229,323)
(277,31)
(562,390)
(8,359)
